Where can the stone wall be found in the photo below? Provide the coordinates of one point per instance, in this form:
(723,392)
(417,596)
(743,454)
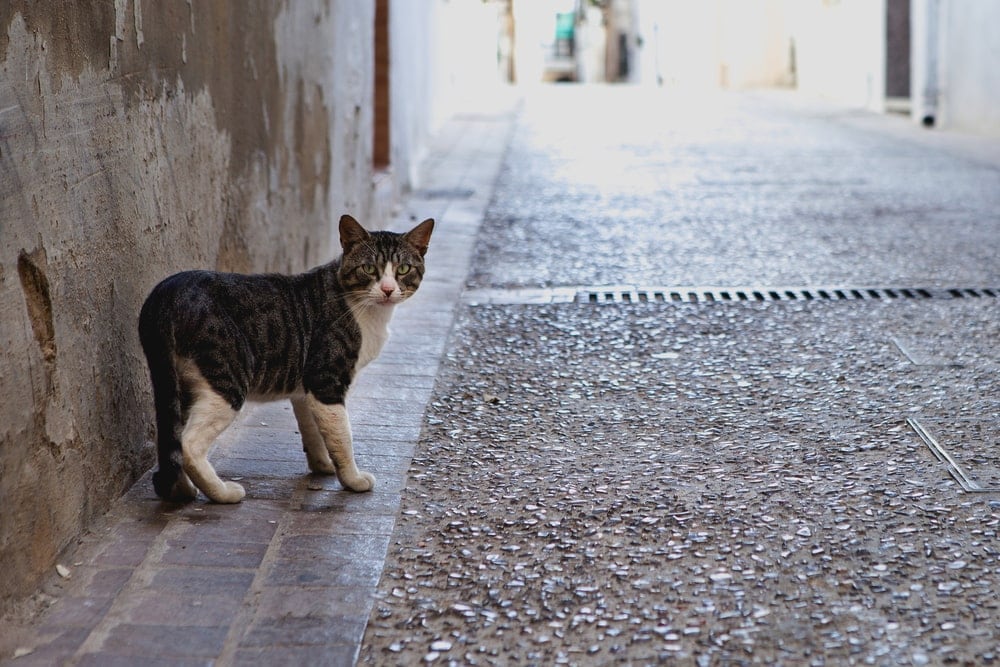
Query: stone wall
(139,138)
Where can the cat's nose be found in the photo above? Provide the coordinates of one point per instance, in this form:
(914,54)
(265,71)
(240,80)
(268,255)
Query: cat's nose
(387,290)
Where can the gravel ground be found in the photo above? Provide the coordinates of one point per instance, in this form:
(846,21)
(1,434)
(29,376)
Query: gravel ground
(711,483)
(731,483)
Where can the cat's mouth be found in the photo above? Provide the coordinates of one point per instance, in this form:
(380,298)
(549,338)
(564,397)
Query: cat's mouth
(390,300)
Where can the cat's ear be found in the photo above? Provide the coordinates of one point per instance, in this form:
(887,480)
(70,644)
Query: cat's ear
(420,236)
(351,232)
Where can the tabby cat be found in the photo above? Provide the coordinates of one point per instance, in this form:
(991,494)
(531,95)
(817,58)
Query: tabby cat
(216,340)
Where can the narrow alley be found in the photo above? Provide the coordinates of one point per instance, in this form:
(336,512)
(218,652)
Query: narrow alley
(703,367)
(718,461)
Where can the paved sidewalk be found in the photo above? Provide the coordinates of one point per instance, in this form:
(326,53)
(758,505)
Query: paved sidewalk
(289,575)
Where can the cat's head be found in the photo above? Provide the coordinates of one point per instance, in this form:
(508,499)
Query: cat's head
(382,268)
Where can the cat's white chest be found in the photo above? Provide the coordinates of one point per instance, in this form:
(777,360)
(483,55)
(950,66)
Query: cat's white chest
(374,323)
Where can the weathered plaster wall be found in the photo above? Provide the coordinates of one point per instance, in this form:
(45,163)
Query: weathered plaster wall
(139,138)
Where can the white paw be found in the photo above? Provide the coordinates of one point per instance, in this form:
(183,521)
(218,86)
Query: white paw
(231,492)
(363,481)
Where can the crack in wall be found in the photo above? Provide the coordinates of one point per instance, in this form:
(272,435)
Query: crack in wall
(38,301)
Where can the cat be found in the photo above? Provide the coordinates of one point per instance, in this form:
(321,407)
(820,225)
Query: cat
(216,340)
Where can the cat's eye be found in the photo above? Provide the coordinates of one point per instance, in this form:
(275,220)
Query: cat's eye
(369,269)
(402,269)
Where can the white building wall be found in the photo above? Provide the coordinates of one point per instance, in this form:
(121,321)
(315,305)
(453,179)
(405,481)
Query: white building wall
(755,44)
(412,35)
(840,50)
(679,43)
(924,51)
(443,56)
(712,43)
(969,66)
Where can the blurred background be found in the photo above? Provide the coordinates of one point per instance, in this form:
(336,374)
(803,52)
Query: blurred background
(933,59)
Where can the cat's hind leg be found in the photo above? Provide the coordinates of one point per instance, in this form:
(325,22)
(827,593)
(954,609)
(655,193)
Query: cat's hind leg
(184,489)
(208,416)
(169,481)
(335,428)
(312,440)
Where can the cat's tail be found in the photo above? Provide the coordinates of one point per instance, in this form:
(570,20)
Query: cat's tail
(166,396)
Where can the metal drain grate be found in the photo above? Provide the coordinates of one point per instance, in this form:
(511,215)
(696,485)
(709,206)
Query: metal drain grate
(618,294)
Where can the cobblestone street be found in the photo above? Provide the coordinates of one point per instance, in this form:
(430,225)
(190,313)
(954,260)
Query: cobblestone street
(716,483)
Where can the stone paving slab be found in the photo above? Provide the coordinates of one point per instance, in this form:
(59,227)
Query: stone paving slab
(288,576)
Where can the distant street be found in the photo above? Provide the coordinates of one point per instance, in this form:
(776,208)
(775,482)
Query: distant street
(613,185)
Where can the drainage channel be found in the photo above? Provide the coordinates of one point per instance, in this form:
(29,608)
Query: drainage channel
(623,294)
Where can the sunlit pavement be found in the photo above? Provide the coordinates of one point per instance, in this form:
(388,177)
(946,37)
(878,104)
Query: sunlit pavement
(612,475)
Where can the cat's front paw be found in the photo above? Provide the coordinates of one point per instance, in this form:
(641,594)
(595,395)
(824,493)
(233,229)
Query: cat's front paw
(231,492)
(363,481)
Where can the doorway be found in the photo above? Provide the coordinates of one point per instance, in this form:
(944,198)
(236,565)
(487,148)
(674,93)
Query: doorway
(897,56)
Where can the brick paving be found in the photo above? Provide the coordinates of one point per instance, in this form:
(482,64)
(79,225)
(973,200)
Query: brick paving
(289,575)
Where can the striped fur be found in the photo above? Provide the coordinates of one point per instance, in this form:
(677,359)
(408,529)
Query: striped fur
(216,340)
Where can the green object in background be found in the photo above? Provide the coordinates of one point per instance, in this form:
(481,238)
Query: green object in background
(565,25)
